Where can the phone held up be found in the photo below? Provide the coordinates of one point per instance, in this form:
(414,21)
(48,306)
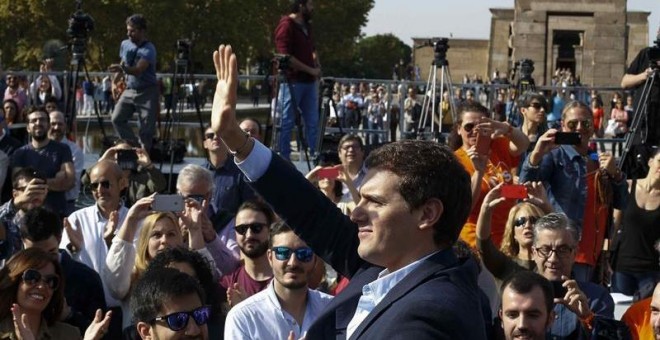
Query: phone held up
(515,191)
(568,138)
(483,144)
(328,172)
(127,159)
(173,203)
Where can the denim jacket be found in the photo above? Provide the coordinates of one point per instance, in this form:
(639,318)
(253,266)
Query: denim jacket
(564,174)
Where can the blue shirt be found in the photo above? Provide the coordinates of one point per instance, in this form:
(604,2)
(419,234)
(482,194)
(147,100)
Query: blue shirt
(231,189)
(563,172)
(130,54)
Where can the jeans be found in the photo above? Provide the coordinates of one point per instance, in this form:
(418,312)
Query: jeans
(374,123)
(306,95)
(628,282)
(145,103)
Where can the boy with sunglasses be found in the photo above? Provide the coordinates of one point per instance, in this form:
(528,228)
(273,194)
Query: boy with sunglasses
(578,185)
(167,304)
(287,304)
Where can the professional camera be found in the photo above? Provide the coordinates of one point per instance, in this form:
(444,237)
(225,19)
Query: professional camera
(80,25)
(440,47)
(654,53)
(282,61)
(526,68)
(327,86)
(183,47)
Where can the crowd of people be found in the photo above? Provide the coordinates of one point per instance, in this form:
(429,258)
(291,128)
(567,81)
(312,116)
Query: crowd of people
(519,227)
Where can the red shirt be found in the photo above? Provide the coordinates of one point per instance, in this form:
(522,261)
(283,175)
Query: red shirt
(249,285)
(296,40)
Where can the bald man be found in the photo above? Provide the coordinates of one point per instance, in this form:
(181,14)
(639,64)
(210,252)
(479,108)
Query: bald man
(90,230)
(57,132)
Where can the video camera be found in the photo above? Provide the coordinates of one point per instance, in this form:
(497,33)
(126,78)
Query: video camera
(327,86)
(440,47)
(654,53)
(526,67)
(282,61)
(183,48)
(80,25)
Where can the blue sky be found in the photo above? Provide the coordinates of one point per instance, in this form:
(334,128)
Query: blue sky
(462,19)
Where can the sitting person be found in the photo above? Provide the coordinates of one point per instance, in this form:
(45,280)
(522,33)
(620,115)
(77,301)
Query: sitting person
(31,300)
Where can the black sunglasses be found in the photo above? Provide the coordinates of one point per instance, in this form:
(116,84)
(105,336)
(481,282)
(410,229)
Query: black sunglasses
(536,105)
(522,220)
(95,185)
(32,277)
(209,135)
(573,124)
(255,228)
(179,320)
(304,254)
(469,127)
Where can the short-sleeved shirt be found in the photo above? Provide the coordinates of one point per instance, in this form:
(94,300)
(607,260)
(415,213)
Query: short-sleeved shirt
(130,54)
(498,171)
(247,283)
(48,161)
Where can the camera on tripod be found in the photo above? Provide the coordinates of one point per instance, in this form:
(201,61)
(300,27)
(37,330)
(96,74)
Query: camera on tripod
(282,61)
(526,67)
(183,47)
(440,47)
(80,25)
(654,54)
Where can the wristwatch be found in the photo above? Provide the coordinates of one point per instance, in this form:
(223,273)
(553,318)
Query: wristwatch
(73,250)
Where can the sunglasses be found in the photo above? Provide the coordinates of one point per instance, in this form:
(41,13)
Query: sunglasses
(304,254)
(536,105)
(522,220)
(179,320)
(95,185)
(255,228)
(32,277)
(469,127)
(209,135)
(573,124)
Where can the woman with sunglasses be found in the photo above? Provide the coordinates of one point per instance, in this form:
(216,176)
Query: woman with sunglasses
(329,176)
(516,248)
(489,151)
(127,261)
(31,300)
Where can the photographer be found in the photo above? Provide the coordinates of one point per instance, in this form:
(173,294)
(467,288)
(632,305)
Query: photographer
(646,64)
(293,37)
(138,64)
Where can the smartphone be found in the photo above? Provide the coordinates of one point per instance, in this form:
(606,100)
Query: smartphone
(567,138)
(127,159)
(483,144)
(516,191)
(559,289)
(167,203)
(328,172)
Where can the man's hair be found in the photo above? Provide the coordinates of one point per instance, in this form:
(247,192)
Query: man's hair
(193,173)
(277,228)
(350,138)
(156,287)
(556,222)
(255,121)
(524,281)
(526,99)
(32,109)
(295,5)
(39,224)
(27,174)
(428,170)
(260,206)
(137,21)
(575,104)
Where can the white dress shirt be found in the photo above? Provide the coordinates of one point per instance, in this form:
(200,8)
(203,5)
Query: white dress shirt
(261,316)
(94,250)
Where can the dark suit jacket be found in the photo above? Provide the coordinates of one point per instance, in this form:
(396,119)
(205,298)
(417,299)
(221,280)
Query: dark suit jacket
(438,300)
(83,291)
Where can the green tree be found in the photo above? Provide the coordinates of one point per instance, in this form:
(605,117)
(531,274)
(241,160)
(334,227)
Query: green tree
(381,56)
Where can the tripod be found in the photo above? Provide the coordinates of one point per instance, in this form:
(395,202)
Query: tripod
(301,142)
(638,132)
(429,101)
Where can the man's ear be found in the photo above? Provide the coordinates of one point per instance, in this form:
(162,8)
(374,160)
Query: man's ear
(431,211)
(144,329)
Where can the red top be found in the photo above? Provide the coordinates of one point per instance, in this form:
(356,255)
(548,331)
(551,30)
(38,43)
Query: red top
(296,40)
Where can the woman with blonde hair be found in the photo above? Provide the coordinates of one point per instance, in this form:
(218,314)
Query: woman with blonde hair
(128,258)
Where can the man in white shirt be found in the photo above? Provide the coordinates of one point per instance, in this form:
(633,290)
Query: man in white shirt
(89,231)
(57,132)
(287,304)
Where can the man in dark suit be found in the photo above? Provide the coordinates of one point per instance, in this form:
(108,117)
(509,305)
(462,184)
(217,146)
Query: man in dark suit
(83,291)
(406,282)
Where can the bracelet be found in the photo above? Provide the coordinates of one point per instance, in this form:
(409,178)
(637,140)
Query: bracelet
(234,153)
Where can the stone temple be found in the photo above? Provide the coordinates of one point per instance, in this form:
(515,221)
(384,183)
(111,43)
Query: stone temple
(595,39)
